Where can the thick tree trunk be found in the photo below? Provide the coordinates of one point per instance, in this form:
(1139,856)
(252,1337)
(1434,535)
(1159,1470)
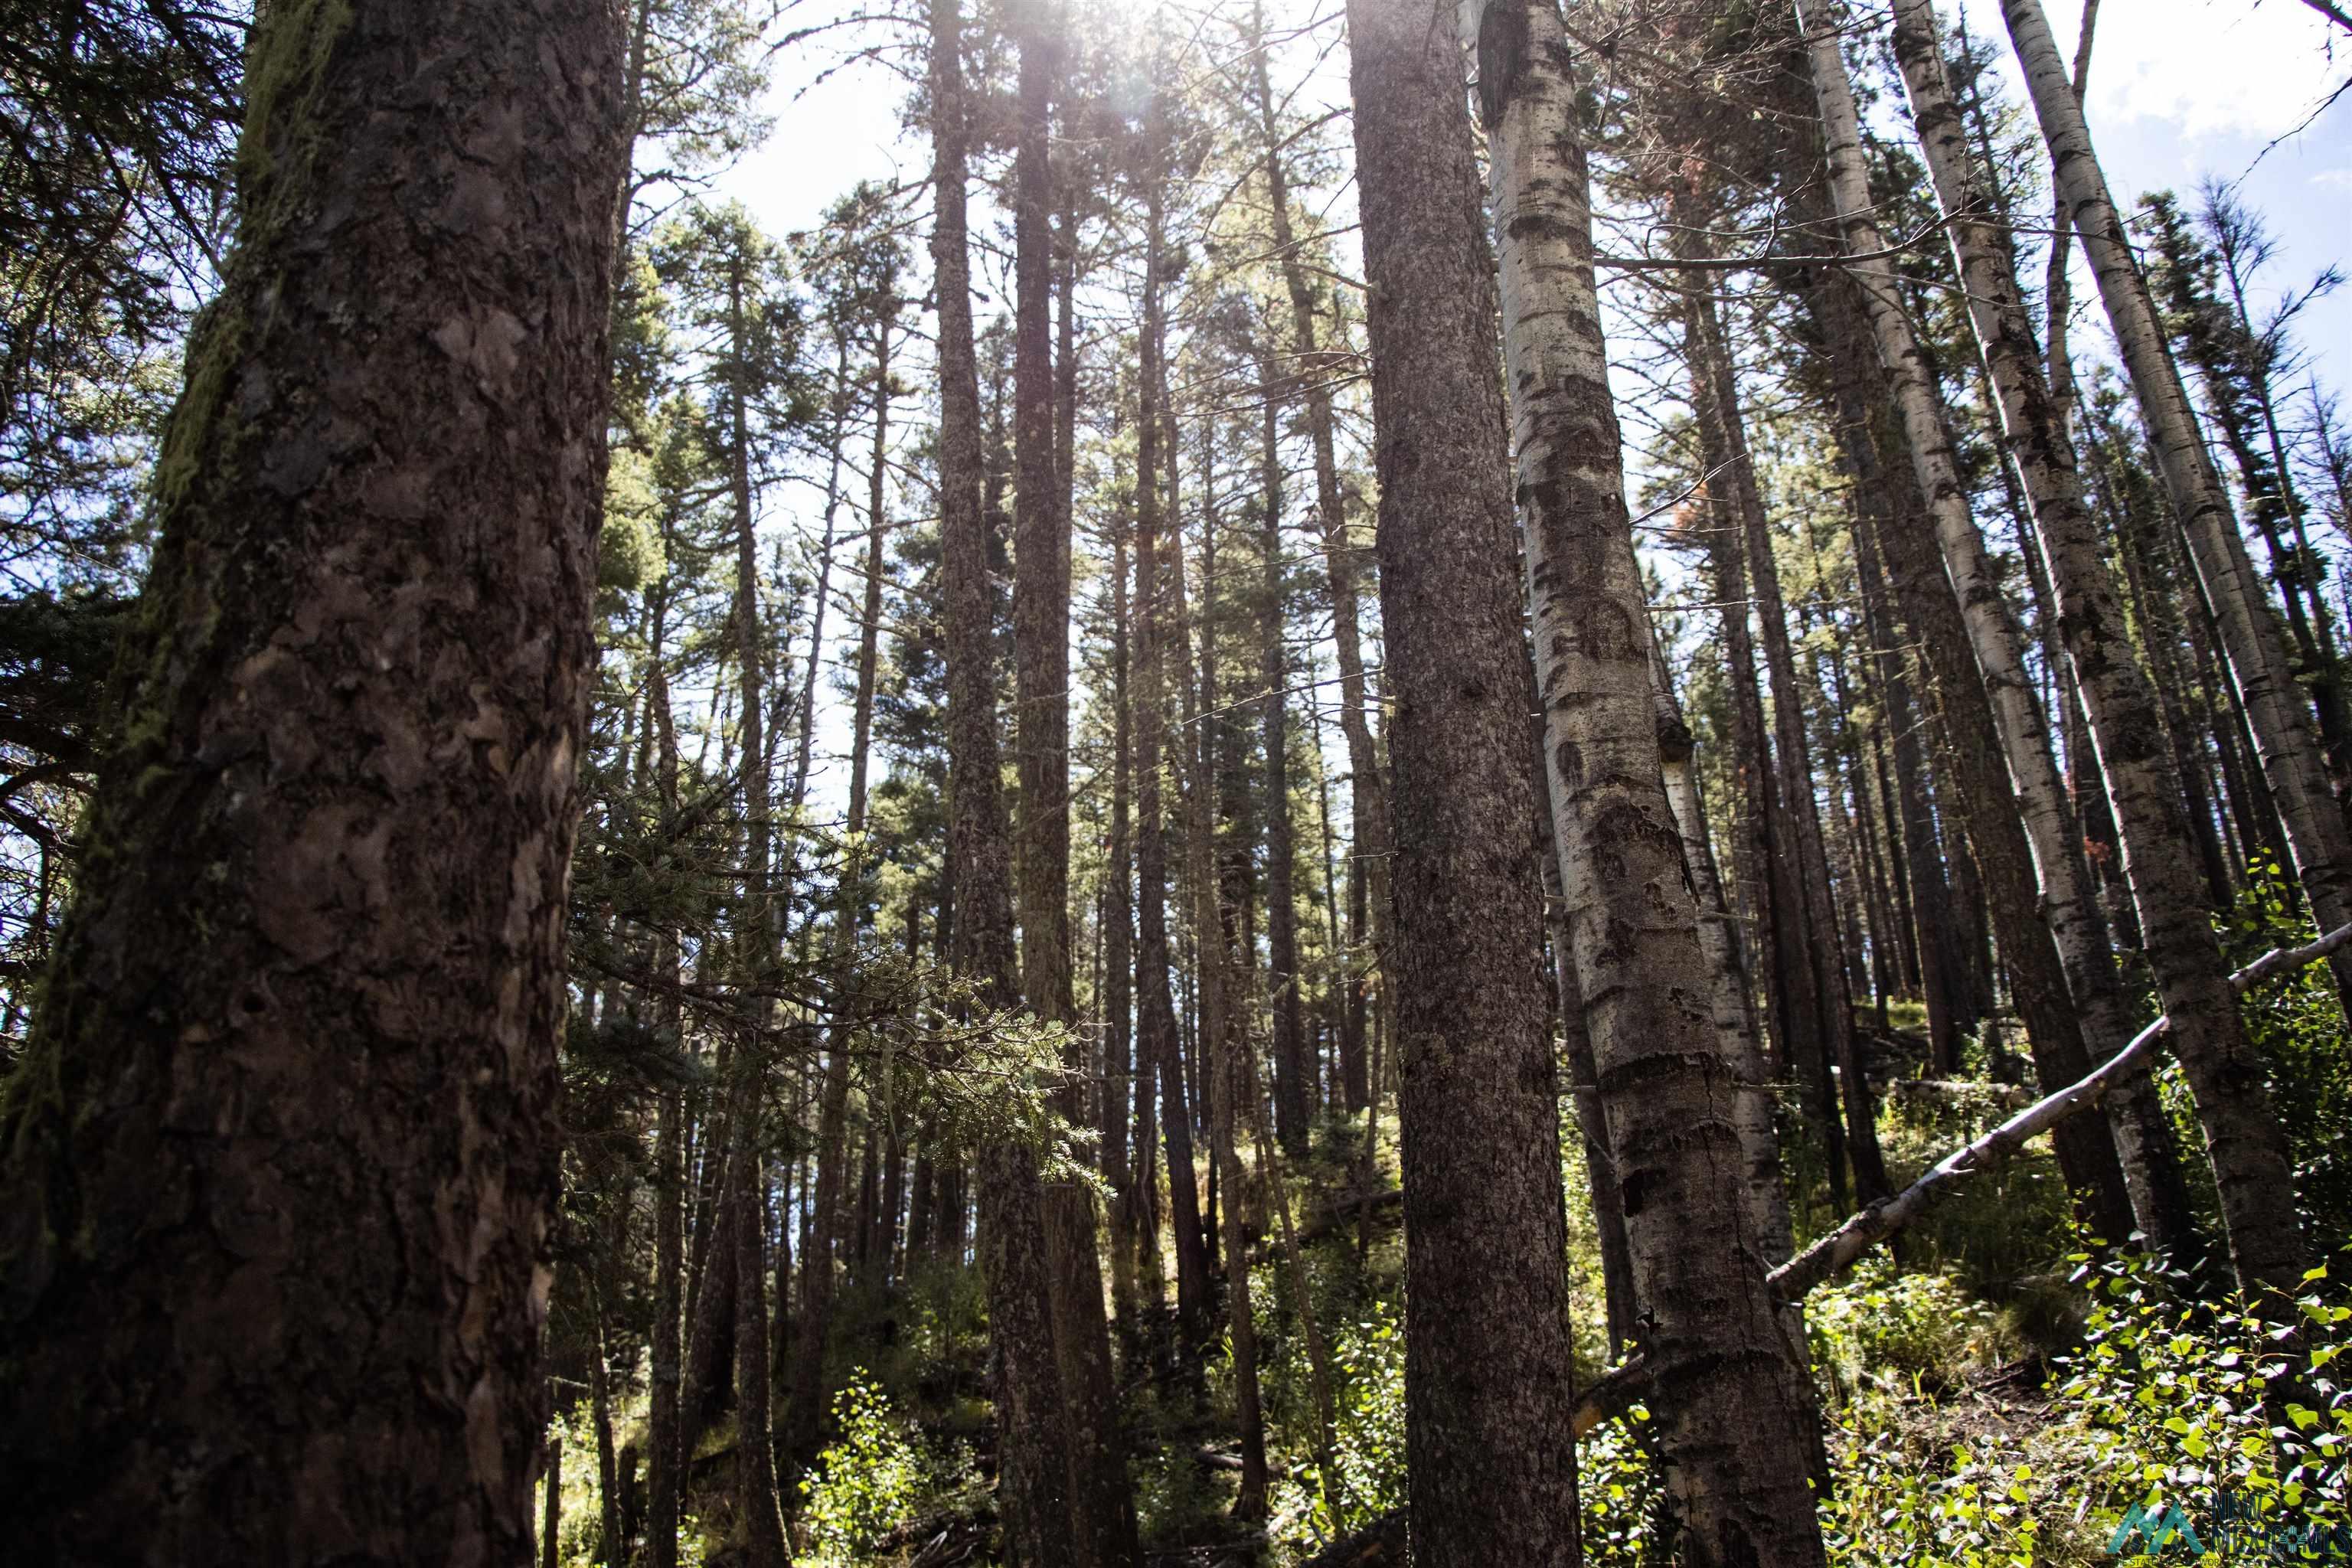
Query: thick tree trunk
(1699,1271)
(2258,668)
(280,1157)
(2243,1139)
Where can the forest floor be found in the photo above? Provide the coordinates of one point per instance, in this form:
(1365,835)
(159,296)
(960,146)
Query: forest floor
(1993,1392)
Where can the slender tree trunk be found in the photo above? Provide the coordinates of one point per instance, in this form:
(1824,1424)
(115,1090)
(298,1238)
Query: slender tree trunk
(2025,737)
(1118,974)
(1293,1067)
(1157,1037)
(1367,799)
(1632,921)
(551,1547)
(1922,857)
(2257,663)
(1734,1018)
(664,1462)
(2243,1139)
(759,1526)
(279,1173)
(1486,1390)
(1102,1510)
(1808,916)
(1033,1472)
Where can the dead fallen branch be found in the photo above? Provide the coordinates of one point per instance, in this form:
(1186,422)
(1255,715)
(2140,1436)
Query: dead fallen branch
(1836,1251)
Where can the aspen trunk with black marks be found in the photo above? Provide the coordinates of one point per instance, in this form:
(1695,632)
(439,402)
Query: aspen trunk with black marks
(280,1158)
(1722,1365)
(1033,1472)
(2123,1176)
(1157,1039)
(2257,664)
(1368,909)
(1734,1017)
(2244,1140)
(2068,904)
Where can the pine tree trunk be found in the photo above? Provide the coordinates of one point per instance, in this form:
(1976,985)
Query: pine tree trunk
(664,1462)
(1294,1071)
(1101,1501)
(1718,1357)
(2257,663)
(1368,796)
(1157,1039)
(281,1153)
(2244,1141)
(1033,1471)
(1119,1077)
(759,1526)
(1485,1375)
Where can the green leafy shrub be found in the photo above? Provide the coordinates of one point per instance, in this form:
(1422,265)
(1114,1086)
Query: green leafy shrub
(868,1482)
(1920,1329)
(2182,1401)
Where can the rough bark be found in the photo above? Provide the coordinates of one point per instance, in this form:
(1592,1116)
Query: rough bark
(280,1157)
(1294,1069)
(1033,1473)
(1735,1414)
(1368,908)
(2256,659)
(2243,1139)
(1102,1506)
(1157,1038)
